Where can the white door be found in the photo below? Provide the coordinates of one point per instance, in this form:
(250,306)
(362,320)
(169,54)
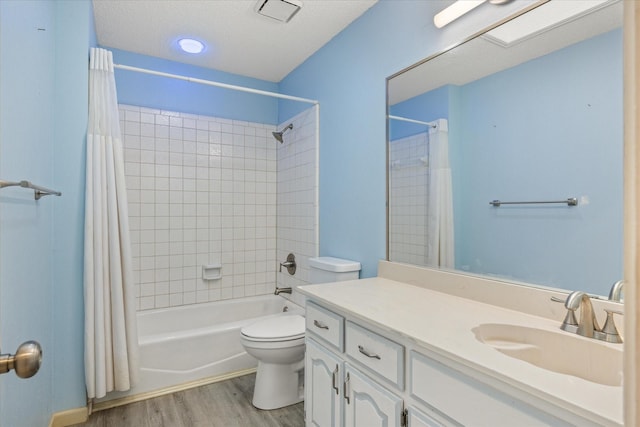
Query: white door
(367,404)
(323,395)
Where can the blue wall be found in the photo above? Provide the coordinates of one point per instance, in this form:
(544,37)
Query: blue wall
(177,95)
(348,77)
(26,143)
(43,114)
(74,36)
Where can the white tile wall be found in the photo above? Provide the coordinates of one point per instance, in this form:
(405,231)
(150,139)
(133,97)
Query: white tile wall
(409,179)
(201,190)
(297,219)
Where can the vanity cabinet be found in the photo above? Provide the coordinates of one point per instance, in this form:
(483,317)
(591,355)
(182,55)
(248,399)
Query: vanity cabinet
(359,375)
(354,377)
(337,394)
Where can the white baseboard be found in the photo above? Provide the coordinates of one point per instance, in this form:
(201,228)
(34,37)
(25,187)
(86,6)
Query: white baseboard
(101,406)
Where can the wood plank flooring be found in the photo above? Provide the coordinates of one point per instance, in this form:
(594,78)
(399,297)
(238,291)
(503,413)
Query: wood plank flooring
(225,404)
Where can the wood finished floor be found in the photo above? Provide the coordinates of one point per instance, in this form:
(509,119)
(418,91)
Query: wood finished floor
(225,404)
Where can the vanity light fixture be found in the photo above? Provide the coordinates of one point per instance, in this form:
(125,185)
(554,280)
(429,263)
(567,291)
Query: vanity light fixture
(459,8)
(191,45)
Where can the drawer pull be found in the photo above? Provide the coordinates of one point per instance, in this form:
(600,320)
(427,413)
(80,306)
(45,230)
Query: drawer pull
(320,325)
(344,390)
(334,381)
(366,353)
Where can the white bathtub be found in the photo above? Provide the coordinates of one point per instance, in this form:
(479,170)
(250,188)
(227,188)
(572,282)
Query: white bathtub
(195,342)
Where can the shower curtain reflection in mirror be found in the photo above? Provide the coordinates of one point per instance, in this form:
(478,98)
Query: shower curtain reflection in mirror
(420,204)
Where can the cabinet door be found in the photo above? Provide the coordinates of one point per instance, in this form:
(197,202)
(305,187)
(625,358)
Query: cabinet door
(368,404)
(323,397)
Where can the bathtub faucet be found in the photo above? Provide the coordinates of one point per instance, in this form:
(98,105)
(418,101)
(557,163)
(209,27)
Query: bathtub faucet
(282,291)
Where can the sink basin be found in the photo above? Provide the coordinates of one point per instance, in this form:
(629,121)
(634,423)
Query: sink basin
(560,351)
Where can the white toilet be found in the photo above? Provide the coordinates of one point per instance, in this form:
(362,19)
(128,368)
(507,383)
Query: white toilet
(278,342)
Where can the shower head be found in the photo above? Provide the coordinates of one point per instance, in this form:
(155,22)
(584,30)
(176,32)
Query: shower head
(278,135)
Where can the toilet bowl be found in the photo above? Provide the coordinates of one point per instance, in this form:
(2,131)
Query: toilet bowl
(278,344)
(278,341)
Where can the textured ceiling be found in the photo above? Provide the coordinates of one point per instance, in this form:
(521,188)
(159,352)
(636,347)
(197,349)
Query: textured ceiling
(238,40)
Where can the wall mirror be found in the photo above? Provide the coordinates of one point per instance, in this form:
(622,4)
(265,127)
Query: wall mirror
(528,111)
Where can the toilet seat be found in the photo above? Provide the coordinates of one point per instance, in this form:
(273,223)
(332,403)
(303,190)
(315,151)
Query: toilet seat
(283,327)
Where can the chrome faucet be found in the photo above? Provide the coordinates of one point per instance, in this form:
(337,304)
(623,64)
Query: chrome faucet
(588,323)
(282,291)
(615,294)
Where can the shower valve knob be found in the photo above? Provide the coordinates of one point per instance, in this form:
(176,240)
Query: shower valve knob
(289,264)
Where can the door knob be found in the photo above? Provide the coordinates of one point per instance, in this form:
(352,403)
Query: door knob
(25,362)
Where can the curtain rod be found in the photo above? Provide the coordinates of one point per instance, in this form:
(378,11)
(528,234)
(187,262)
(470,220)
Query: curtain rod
(217,84)
(404,119)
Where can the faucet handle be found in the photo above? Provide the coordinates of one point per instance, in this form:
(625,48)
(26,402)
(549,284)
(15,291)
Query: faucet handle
(616,292)
(609,329)
(290,264)
(569,324)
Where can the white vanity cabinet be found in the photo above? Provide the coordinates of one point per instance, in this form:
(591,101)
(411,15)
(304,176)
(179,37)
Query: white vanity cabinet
(337,394)
(354,377)
(360,375)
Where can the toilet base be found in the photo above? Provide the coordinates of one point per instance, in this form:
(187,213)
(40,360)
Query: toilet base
(278,385)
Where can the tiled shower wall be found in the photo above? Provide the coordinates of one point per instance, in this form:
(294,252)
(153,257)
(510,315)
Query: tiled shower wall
(297,221)
(201,191)
(409,180)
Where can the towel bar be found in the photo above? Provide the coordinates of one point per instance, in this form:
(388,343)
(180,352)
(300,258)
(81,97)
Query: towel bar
(572,201)
(38,191)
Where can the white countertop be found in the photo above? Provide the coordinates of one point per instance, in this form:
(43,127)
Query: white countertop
(443,323)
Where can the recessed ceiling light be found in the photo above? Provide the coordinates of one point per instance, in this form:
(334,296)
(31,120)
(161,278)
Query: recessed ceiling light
(191,45)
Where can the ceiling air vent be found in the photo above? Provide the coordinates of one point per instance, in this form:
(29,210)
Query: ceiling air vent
(282,10)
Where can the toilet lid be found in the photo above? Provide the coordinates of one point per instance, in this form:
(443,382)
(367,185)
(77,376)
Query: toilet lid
(280,327)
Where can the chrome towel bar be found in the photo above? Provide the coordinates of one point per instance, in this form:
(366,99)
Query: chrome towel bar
(572,201)
(37,190)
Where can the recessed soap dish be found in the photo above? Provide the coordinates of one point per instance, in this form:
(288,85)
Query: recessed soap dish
(212,271)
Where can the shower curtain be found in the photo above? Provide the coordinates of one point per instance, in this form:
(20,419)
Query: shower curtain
(111,342)
(440,242)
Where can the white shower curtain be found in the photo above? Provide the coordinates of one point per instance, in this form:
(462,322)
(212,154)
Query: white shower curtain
(440,244)
(111,341)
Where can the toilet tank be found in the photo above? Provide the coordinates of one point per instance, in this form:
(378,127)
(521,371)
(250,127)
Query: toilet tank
(329,269)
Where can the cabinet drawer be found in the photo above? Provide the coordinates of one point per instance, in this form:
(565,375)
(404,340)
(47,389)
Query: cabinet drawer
(375,352)
(468,401)
(325,324)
